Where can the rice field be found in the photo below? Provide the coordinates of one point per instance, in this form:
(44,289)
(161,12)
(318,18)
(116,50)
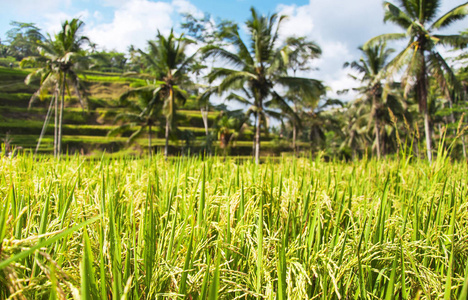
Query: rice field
(189,228)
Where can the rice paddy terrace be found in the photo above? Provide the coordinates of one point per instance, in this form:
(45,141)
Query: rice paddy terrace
(86,130)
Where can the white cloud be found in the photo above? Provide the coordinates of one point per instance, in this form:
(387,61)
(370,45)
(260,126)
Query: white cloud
(340,27)
(53,21)
(184,7)
(97,15)
(137,21)
(133,23)
(113,3)
(299,21)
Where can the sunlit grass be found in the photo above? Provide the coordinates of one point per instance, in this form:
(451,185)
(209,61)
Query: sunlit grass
(128,228)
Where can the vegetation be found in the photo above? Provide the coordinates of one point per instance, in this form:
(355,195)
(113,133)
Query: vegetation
(296,228)
(58,60)
(357,212)
(162,87)
(420,56)
(168,63)
(262,65)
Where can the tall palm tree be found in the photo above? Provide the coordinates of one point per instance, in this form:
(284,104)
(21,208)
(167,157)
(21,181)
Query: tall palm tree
(356,139)
(371,66)
(140,114)
(325,117)
(300,52)
(259,66)
(168,63)
(421,57)
(229,125)
(59,58)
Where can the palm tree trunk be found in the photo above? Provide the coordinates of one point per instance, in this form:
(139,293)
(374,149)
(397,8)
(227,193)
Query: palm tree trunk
(257,143)
(204,114)
(149,140)
(376,124)
(46,122)
(422,87)
(59,142)
(253,142)
(294,136)
(167,139)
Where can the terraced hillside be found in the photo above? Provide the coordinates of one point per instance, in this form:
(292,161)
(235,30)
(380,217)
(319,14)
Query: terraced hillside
(85,130)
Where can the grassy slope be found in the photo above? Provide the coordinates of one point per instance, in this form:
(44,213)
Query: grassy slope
(87,130)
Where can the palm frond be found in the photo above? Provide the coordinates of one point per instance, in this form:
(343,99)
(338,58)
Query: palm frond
(220,53)
(456,14)
(236,80)
(400,60)
(238,98)
(457,41)
(395,15)
(311,89)
(444,75)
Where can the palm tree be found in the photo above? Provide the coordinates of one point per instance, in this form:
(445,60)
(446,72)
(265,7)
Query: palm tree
(59,58)
(141,114)
(259,67)
(420,56)
(371,66)
(168,63)
(300,52)
(356,139)
(229,125)
(324,118)
(261,116)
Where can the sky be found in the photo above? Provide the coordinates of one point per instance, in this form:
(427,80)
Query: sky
(338,26)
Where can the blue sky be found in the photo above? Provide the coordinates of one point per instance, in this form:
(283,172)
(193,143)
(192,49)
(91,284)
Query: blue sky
(338,26)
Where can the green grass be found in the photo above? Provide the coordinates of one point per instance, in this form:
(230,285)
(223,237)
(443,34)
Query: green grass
(129,228)
(6,71)
(108,78)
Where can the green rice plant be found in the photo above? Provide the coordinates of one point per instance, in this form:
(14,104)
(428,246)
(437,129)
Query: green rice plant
(201,228)
(88,275)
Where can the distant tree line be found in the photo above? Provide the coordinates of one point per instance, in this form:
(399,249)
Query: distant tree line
(409,99)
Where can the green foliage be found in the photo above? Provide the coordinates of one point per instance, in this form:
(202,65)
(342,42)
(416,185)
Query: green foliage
(257,67)
(23,39)
(186,228)
(8,62)
(420,58)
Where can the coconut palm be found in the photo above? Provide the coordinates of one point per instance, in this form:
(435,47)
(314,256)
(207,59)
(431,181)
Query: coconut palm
(261,116)
(167,61)
(356,138)
(300,52)
(229,125)
(140,114)
(59,58)
(257,68)
(371,66)
(322,119)
(421,57)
